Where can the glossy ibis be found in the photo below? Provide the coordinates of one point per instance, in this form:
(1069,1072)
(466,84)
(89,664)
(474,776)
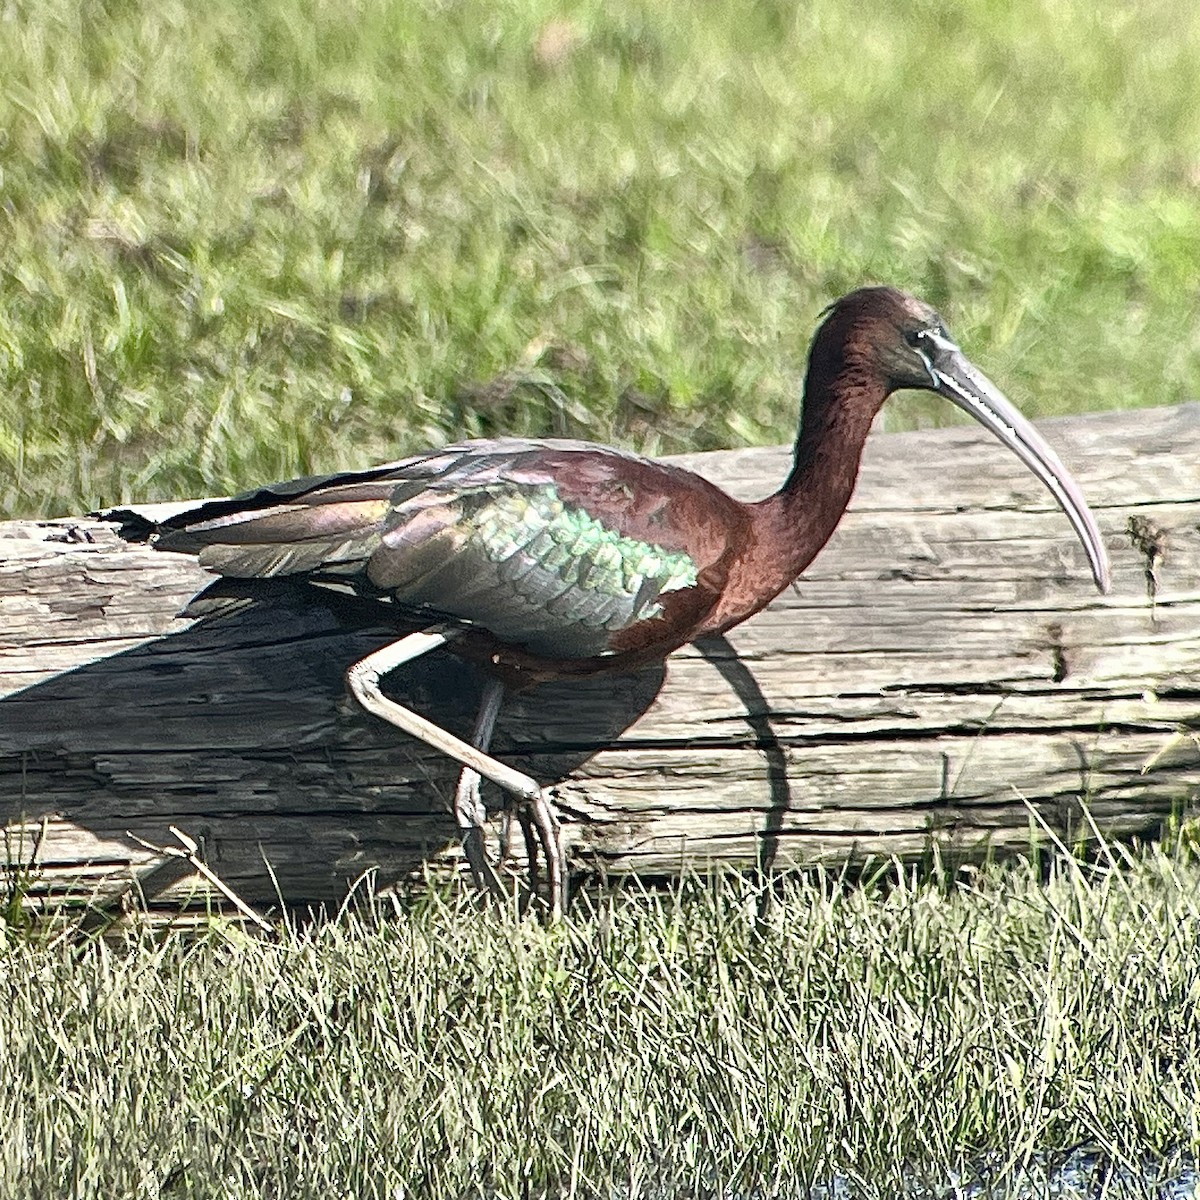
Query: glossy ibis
(544,559)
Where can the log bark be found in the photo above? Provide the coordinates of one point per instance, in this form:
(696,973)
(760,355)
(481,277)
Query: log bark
(943,668)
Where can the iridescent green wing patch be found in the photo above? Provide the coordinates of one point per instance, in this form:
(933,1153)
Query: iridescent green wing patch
(531,569)
(561,556)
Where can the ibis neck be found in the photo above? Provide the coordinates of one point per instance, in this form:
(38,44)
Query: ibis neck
(790,527)
(838,412)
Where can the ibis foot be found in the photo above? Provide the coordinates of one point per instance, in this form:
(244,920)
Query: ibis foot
(543,838)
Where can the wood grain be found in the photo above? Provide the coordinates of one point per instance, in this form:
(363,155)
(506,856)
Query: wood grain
(943,665)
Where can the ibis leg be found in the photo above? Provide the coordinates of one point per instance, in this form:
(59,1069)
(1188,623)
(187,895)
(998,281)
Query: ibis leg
(363,679)
(469,810)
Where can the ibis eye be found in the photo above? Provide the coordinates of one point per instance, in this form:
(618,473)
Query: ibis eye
(915,337)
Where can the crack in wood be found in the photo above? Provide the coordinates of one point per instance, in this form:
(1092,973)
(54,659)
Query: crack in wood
(1058,655)
(878,733)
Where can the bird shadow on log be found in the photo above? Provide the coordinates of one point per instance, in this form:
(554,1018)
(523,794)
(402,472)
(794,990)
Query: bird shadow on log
(720,653)
(238,731)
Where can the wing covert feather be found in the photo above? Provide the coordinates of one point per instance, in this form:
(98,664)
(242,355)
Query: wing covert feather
(512,556)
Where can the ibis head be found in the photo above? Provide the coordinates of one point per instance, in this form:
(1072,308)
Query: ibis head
(879,340)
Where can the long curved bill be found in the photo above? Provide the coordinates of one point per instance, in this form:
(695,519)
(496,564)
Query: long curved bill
(960,381)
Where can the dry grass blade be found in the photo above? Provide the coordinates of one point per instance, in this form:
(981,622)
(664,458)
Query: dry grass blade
(190,853)
(878,1038)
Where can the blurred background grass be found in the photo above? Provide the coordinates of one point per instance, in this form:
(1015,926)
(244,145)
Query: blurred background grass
(247,241)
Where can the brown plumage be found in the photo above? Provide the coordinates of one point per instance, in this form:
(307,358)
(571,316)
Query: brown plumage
(418,529)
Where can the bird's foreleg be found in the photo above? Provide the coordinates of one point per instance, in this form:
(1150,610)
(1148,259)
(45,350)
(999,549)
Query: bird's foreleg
(363,680)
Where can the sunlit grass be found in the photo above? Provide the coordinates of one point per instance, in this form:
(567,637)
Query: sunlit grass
(890,1033)
(241,242)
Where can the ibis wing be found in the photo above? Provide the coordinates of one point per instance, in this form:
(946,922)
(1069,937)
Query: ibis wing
(530,569)
(542,543)
(333,528)
(327,524)
(299,526)
(512,538)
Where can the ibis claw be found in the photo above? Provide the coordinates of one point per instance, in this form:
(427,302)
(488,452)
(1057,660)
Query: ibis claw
(540,814)
(542,833)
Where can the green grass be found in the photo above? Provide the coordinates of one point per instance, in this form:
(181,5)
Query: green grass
(245,241)
(240,242)
(892,1033)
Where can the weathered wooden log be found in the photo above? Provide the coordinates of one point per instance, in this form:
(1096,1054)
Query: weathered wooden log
(943,666)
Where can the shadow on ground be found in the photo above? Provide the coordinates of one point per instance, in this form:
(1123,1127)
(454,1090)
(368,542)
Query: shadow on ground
(238,731)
